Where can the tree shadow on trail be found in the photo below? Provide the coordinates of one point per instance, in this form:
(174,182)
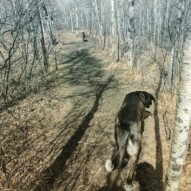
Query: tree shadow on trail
(151,179)
(159,155)
(81,68)
(76,68)
(49,176)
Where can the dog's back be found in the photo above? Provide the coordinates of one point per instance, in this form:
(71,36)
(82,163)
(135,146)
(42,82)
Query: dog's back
(128,128)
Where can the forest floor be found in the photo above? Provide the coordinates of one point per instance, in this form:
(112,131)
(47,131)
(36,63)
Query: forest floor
(59,139)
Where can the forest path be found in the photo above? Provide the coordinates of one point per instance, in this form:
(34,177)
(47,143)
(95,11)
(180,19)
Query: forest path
(97,89)
(65,133)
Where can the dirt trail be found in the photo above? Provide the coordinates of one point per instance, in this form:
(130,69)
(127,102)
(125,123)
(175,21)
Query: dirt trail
(80,165)
(74,135)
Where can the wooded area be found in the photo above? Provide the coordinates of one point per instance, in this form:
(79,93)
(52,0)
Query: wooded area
(59,58)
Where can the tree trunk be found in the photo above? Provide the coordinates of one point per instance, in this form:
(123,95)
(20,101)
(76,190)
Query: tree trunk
(51,26)
(165,20)
(34,39)
(77,20)
(175,43)
(182,122)
(90,23)
(130,34)
(113,31)
(99,23)
(42,40)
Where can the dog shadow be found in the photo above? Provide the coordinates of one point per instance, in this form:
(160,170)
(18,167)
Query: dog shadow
(147,177)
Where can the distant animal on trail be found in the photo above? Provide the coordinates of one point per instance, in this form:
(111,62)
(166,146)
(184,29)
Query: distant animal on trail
(84,36)
(129,124)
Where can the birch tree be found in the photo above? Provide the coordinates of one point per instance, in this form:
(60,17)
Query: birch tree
(77,19)
(99,20)
(165,20)
(171,78)
(42,39)
(50,24)
(113,30)
(71,20)
(182,122)
(130,34)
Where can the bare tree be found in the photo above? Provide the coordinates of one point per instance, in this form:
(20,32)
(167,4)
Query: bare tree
(182,122)
(175,39)
(114,31)
(42,39)
(49,19)
(76,19)
(130,34)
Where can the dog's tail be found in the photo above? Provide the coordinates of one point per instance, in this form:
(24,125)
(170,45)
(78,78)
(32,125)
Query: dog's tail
(109,166)
(117,161)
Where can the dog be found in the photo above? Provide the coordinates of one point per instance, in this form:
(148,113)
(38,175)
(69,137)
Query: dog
(129,124)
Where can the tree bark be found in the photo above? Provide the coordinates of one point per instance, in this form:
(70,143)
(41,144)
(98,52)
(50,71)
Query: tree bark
(51,25)
(114,31)
(130,34)
(182,122)
(71,20)
(42,40)
(98,12)
(77,20)
(172,77)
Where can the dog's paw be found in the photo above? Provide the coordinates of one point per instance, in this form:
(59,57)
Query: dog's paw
(132,186)
(109,165)
(128,187)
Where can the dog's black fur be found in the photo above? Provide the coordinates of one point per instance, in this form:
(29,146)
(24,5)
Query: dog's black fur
(128,131)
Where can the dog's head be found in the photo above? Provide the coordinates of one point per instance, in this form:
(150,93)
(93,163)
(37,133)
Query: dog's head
(146,98)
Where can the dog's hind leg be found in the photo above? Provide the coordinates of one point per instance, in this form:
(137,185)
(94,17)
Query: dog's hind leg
(118,157)
(133,150)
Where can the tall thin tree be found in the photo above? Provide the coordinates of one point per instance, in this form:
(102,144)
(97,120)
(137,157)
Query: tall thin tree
(173,67)
(113,31)
(182,122)
(42,39)
(130,34)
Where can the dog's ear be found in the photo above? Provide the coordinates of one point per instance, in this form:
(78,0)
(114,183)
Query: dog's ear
(146,98)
